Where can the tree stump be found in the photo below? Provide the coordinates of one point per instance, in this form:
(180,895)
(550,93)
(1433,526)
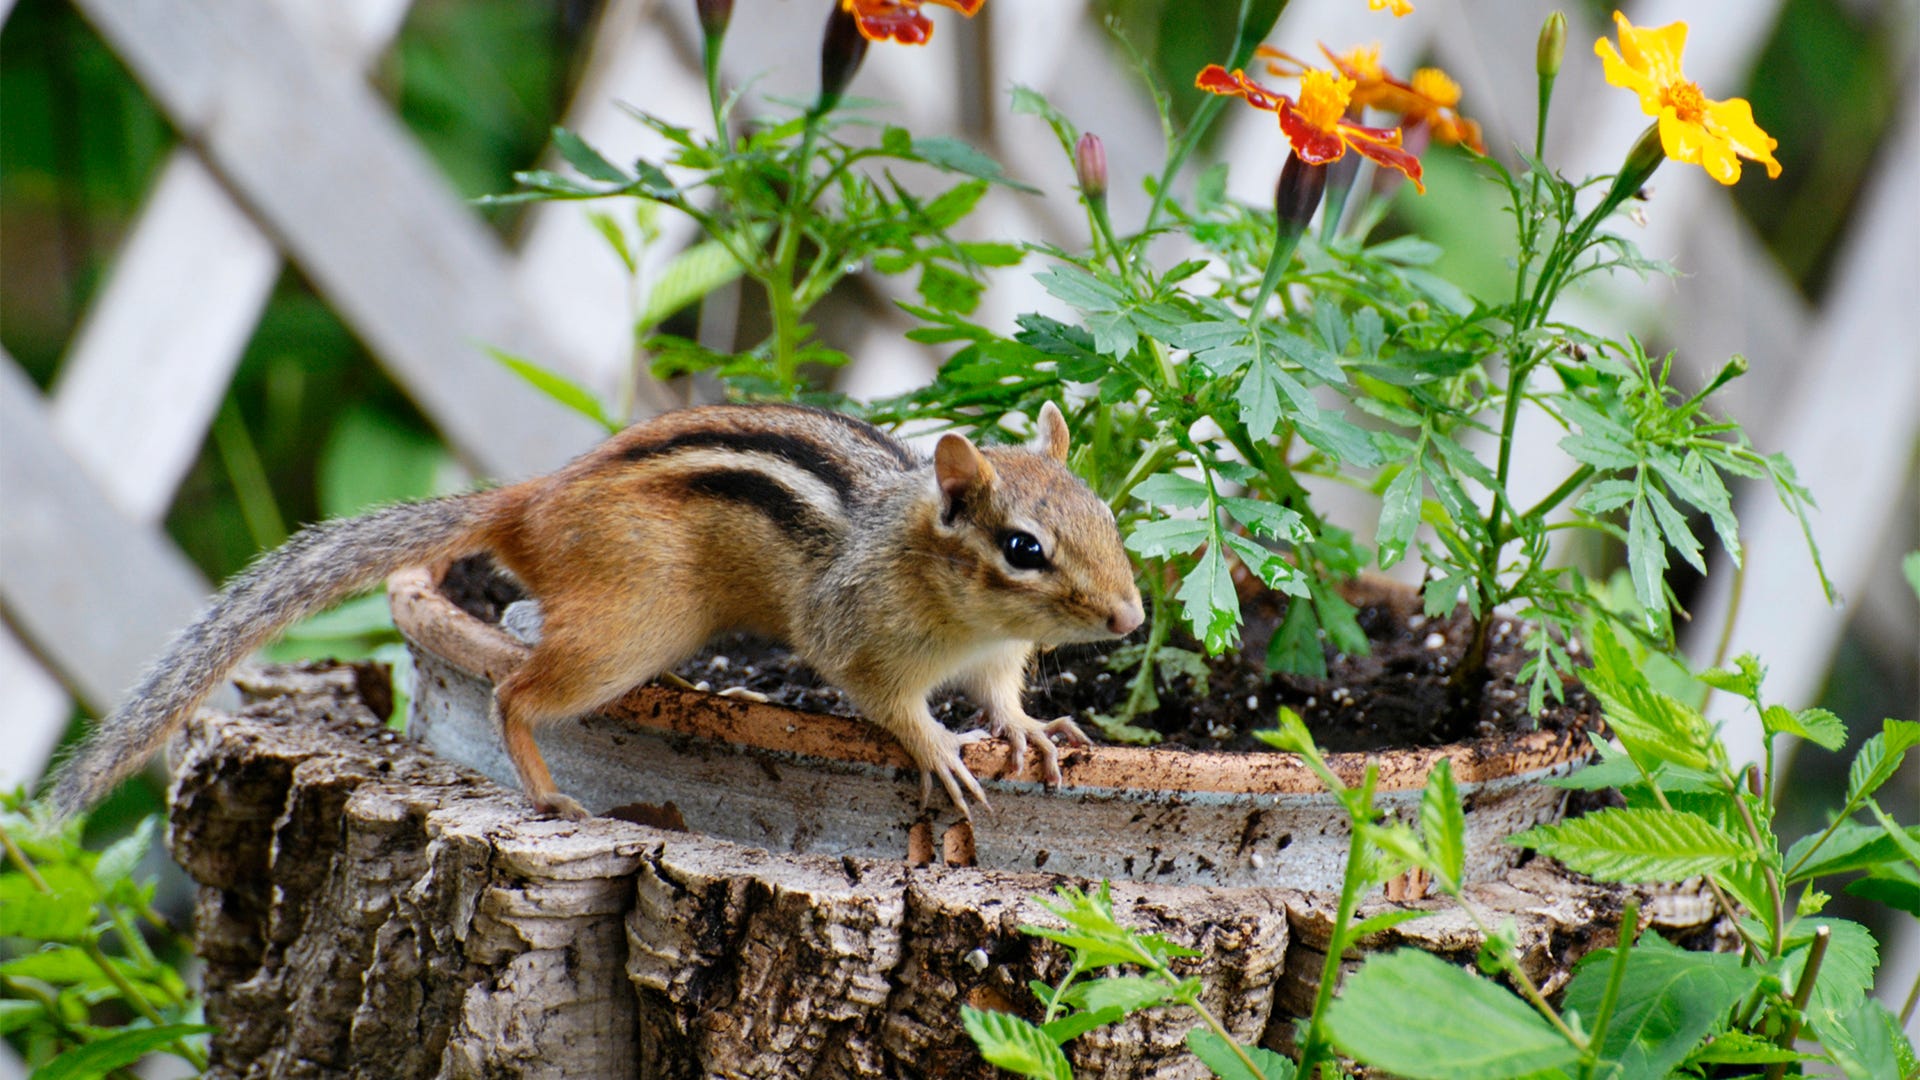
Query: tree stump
(368,910)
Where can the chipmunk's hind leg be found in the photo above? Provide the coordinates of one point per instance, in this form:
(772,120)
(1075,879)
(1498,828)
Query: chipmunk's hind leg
(581,664)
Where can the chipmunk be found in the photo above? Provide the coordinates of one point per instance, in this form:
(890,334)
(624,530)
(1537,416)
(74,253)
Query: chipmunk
(888,574)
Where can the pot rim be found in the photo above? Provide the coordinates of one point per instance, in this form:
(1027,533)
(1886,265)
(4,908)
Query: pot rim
(429,620)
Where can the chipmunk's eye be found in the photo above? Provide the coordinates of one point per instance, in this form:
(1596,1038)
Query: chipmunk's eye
(1023,551)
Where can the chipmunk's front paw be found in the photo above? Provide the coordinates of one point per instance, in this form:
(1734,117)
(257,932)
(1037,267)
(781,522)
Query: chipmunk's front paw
(560,806)
(1018,729)
(941,759)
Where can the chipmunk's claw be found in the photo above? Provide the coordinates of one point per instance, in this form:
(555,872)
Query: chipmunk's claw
(1018,730)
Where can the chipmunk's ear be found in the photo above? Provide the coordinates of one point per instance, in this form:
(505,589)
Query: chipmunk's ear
(962,471)
(1051,438)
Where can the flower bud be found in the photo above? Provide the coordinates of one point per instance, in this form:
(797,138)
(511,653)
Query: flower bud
(1297,195)
(714,16)
(1553,45)
(841,52)
(1090,166)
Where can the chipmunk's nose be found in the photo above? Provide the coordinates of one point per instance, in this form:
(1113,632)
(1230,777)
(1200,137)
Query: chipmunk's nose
(1126,618)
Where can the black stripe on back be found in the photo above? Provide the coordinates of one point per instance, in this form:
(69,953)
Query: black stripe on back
(799,451)
(872,435)
(792,514)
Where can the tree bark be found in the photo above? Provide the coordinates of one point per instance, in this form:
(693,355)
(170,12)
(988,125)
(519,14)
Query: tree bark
(367,910)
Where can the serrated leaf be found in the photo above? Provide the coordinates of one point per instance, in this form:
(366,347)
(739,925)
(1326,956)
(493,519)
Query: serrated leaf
(1443,823)
(1402,1012)
(1674,528)
(1219,1057)
(1815,725)
(1647,560)
(1128,993)
(1270,521)
(1172,489)
(1607,496)
(1852,846)
(1845,975)
(1896,885)
(1740,1048)
(1866,1042)
(1077,288)
(1399,515)
(1162,537)
(1015,1045)
(1634,845)
(118,861)
(1600,452)
(1668,1001)
(1074,1025)
(1271,567)
(1880,757)
(951,205)
(1743,678)
(64,914)
(1209,601)
(690,275)
(1258,397)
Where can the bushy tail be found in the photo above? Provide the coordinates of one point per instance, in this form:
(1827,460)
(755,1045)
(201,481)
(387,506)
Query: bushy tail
(318,567)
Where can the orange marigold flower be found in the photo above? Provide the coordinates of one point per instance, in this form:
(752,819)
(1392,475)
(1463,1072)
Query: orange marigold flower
(1430,97)
(1317,126)
(1714,135)
(901,20)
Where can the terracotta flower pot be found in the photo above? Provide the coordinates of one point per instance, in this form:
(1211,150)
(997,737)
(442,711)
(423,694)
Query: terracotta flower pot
(791,781)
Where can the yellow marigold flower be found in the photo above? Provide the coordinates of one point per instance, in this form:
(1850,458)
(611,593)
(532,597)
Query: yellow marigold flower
(1398,7)
(1693,128)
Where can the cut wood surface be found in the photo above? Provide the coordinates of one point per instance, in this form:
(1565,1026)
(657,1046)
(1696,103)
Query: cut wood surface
(368,910)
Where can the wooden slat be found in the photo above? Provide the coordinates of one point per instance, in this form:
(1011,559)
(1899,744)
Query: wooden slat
(319,159)
(96,593)
(148,368)
(1851,424)
(37,709)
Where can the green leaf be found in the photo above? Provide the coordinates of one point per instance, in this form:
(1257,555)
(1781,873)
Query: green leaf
(1258,397)
(1268,520)
(558,387)
(1403,1012)
(1853,846)
(1214,1052)
(1845,975)
(1015,1044)
(1647,559)
(1910,566)
(951,205)
(1164,537)
(1897,886)
(369,461)
(1602,453)
(1210,603)
(1399,516)
(117,863)
(1295,647)
(1074,286)
(1674,527)
(1740,1048)
(64,914)
(1630,844)
(1407,250)
(1172,489)
(691,275)
(1866,1042)
(586,159)
(1443,823)
(1743,678)
(953,155)
(124,1047)
(1814,725)
(1074,1025)
(1128,993)
(1879,758)
(1669,1000)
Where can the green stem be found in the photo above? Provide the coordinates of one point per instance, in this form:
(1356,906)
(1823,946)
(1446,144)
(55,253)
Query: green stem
(1316,1047)
(1616,976)
(249,478)
(1159,627)
(779,286)
(710,57)
(1776,897)
(1816,955)
(91,947)
(1558,495)
(1182,150)
(1144,466)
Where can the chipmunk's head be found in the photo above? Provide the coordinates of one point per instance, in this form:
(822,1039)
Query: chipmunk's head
(1039,551)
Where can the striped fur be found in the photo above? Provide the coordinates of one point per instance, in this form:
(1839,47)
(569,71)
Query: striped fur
(881,570)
